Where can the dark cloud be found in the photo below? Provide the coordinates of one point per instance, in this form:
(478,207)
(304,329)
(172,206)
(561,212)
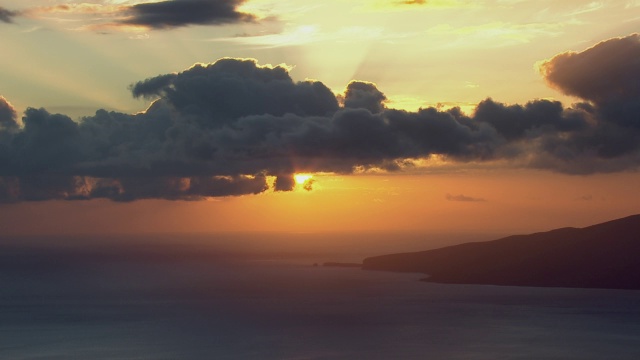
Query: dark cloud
(230,89)
(125,189)
(308,184)
(284,183)
(608,76)
(46,142)
(174,188)
(605,72)
(364,95)
(231,127)
(152,87)
(6,16)
(515,122)
(463,198)
(177,13)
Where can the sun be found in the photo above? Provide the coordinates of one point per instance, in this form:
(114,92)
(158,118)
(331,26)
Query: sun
(302,178)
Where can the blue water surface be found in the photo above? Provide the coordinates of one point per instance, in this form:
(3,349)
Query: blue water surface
(57,306)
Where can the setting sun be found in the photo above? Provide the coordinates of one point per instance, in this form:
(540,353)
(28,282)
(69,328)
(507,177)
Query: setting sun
(226,178)
(302,178)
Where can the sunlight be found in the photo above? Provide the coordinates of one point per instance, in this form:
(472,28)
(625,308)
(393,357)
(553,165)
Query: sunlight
(298,35)
(302,178)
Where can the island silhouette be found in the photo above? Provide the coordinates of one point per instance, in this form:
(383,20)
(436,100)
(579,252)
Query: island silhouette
(598,256)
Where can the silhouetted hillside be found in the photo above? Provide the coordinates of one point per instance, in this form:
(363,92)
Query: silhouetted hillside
(599,256)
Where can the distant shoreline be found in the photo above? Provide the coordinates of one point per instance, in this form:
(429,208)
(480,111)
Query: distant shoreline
(602,256)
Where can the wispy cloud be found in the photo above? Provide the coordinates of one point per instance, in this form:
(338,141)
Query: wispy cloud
(306,34)
(632,3)
(412,5)
(588,8)
(497,33)
(463,198)
(6,16)
(98,10)
(141,16)
(299,35)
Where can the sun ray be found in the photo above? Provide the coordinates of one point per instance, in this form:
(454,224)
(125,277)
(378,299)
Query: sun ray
(302,178)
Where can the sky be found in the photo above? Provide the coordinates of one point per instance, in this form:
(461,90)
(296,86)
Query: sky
(425,116)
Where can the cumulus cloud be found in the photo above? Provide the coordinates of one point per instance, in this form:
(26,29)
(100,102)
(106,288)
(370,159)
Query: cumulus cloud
(6,16)
(365,95)
(234,127)
(231,89)
(606,75)
(603,73)
(8,115)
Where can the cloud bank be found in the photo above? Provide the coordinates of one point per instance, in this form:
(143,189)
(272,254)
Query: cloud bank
(232,126)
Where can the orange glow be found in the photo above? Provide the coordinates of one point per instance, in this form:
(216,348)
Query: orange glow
(302,178)
(516,201)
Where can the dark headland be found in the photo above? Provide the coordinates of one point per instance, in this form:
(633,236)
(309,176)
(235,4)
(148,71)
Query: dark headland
(599,256)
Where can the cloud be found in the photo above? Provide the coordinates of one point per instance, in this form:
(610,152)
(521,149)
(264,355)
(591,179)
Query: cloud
(151,87)
(78,8)
(463,198)
(497,34)
(307,185)
(234,127)
(8,116)
(607,75)
(400,5)
(233,88)
(585,198)
(365,95)
(177,13)
(603,73)
(6,16)
(141,16)
(590,7)
(99,16)
(305,34)
(284,182)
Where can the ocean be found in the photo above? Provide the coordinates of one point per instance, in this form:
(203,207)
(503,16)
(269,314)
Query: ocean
(138,301)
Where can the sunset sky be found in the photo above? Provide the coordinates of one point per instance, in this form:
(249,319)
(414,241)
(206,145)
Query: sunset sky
(425,116)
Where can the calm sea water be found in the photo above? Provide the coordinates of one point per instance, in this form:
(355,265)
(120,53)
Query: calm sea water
(57,304)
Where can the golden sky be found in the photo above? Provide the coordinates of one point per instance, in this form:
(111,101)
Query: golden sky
(502,168)
(503,202)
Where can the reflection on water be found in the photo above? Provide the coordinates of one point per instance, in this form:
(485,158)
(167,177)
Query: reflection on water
(169,305)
